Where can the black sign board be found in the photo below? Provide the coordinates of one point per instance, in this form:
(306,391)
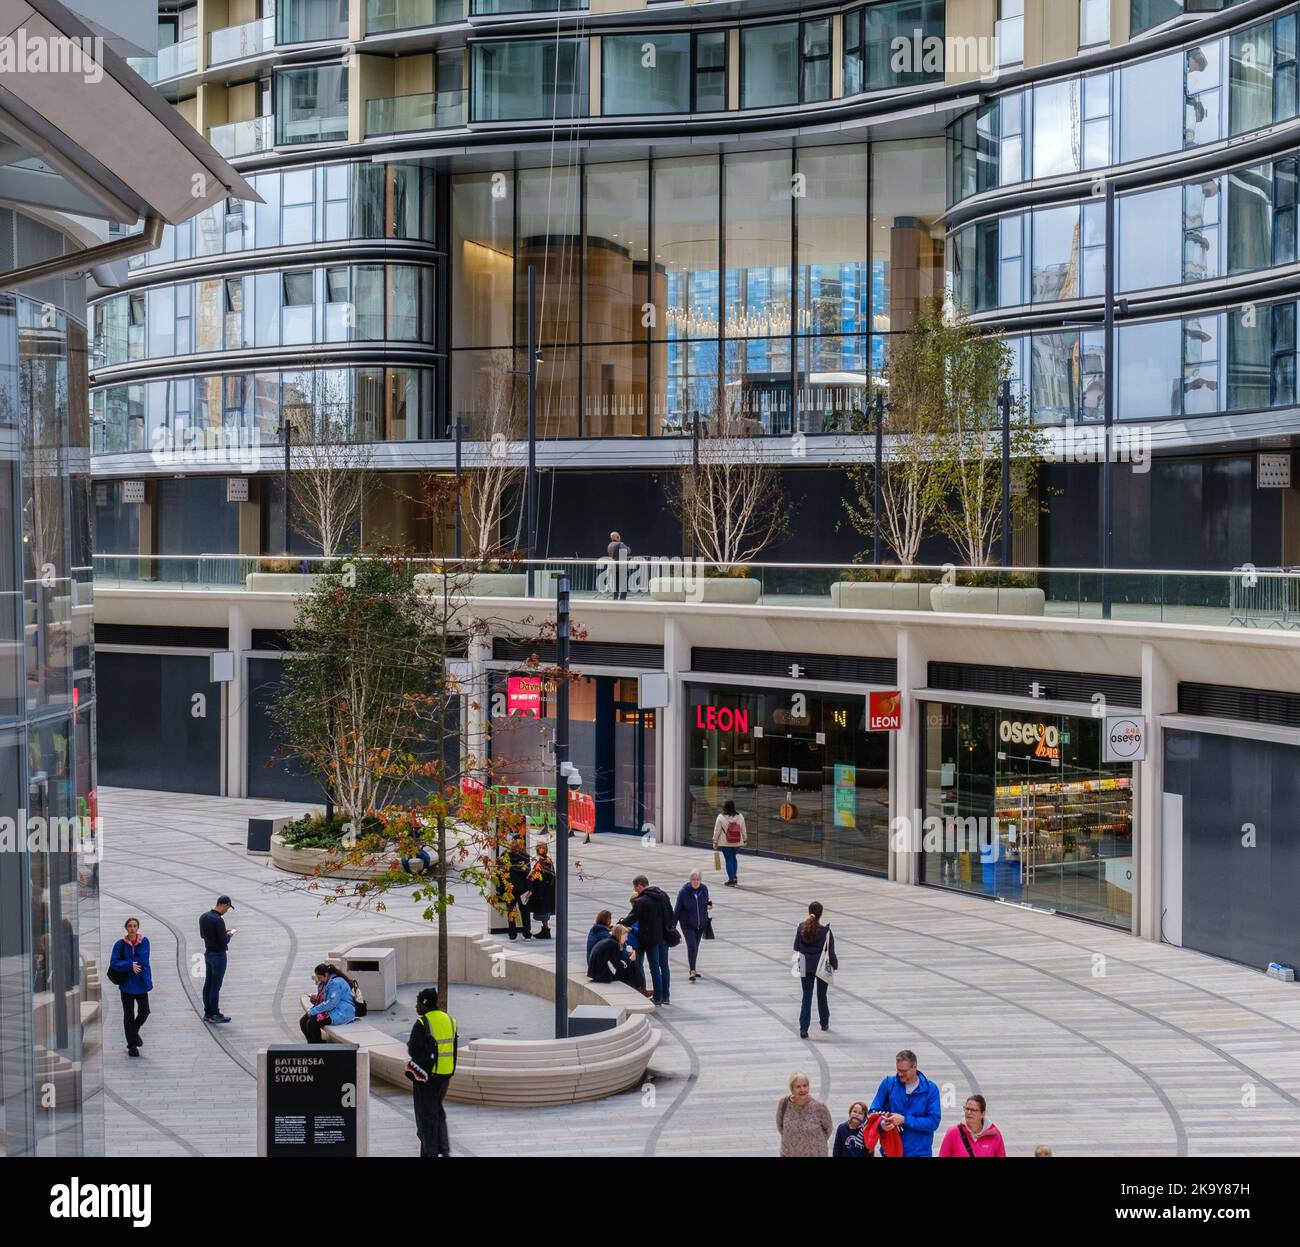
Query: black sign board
(311,1100)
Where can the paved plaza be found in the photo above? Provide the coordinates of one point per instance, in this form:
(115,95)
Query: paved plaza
(1079,1037)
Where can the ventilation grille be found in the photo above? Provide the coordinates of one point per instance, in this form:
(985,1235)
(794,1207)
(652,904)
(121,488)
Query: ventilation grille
(838,667)
(1250,705)
(1080,686)
(584,653)
(156,637)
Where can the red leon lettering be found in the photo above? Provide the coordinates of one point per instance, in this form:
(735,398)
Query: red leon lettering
(721,718)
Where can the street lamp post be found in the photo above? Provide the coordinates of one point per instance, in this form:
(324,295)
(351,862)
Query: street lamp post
(563,770)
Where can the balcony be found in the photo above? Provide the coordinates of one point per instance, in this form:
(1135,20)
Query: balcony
(234,43)
(430,110)
(386,15)
(177,59)
(243,138)
(145,66)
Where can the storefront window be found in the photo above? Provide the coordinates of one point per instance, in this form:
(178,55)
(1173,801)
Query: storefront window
(1020,806)
(812,782)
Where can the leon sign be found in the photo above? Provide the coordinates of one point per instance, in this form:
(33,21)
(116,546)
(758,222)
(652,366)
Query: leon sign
(884,711)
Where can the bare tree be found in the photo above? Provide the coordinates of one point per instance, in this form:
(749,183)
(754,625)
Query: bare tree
(913,478)
(330,461)
(727,494)
(493,489)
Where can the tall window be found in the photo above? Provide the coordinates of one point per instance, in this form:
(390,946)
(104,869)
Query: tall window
(529,79)
(1094,22)
(649,73)
(898,44)
(1010,32)
(710,71)
(769,65)
(816,67)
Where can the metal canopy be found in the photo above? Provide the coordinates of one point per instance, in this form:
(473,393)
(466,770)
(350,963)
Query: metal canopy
(106,145)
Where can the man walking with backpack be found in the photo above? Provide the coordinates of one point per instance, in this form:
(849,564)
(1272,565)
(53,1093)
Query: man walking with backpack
(729,835)
(652,911)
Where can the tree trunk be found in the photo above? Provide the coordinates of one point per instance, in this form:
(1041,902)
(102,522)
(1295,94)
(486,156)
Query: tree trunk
(443,996)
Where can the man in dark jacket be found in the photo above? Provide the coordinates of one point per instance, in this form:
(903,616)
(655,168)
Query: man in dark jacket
(216,939)
(618,552)
(910,1103)
(652,912)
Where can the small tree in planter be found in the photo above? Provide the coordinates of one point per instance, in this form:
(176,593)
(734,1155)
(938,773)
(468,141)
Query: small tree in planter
(370,706)
(912,480)
(975,364)
(730,502)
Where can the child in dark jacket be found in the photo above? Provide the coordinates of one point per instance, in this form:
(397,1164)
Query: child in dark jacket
(848,1137)
(600,930)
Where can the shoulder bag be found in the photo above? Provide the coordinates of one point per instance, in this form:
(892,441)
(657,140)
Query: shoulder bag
(824,971)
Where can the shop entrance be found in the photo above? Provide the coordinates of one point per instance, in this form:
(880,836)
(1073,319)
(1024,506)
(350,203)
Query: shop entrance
(790,790)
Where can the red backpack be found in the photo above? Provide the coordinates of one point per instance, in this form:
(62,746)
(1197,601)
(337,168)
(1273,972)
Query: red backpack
(733,832)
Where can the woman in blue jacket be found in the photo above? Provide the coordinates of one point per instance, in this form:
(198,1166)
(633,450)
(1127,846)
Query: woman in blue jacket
(602,929)
(330,1006)
(692,914)
(130,957)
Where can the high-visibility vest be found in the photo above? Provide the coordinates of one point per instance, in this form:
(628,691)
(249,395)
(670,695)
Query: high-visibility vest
(442,1030)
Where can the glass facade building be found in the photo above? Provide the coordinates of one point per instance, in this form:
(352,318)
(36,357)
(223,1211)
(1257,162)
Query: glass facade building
(50,978)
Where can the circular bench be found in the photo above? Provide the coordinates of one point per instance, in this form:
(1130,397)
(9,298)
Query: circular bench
(511,1072)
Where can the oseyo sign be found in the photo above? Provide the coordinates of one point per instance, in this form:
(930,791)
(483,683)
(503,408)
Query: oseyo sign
(1126,739)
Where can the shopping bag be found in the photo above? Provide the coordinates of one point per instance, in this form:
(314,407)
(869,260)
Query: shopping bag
(717,860)
(824,971)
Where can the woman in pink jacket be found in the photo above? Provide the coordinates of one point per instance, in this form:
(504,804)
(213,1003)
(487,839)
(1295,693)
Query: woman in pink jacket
(973,1137)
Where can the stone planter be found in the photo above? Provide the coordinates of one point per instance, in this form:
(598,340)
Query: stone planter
(899,595)
(986,600)
(478,584)
(729,590)
(280,582)
(296,861)
(668,588)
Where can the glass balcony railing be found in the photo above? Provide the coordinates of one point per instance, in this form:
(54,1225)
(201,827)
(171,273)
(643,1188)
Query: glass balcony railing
(243,138)
(145,66)
(233,43)
(1245,598)
(431,110)
(319,128)
(177,58)
(385,15)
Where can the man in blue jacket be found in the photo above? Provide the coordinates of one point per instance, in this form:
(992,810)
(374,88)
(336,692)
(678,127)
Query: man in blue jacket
(910,1103)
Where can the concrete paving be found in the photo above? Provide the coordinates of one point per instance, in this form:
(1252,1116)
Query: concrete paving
(1078,1036)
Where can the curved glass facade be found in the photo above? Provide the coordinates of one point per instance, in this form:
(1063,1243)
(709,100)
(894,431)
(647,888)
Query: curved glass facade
(280,308)
(1158,106)
(305,206)
(382,405)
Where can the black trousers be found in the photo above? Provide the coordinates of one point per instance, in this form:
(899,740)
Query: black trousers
(135,1012)
(431,1116)
(525,920)
(692,936)
(311,1028)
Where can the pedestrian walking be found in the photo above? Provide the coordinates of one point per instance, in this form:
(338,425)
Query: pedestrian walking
(814,942)
(514,869)
(128,967)
(540,895)
(330,1006)
(618,552)
(974,1135)
(611,959)
(432,1052)
(692,914)
(909,1102)
(601,929)
(848,1134)
(652,912)
(729,836)
(803,1123)
(216,940)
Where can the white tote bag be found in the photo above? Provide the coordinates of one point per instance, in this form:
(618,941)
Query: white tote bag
(824,971)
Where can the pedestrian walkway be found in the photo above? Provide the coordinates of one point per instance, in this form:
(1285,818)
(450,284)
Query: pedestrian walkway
(1079,1037)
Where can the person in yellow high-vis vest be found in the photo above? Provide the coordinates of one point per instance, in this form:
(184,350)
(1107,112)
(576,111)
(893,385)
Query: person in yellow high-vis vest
(432,1049)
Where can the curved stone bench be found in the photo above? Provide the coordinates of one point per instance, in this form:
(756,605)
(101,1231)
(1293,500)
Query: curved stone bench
(511,1072)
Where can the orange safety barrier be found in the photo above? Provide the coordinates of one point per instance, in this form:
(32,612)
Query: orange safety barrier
(582,812)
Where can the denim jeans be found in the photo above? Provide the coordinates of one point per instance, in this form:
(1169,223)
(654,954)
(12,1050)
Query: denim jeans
(216,972)
(823,1005)
(657,957)
(692,937)
(729,856)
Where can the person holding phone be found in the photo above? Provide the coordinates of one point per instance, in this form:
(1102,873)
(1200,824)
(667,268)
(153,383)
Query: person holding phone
(128,967)
(216,939)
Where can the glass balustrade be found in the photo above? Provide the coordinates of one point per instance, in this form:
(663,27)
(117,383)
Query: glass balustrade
(233,43)
(429,110)
(177,58)
(243,138)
